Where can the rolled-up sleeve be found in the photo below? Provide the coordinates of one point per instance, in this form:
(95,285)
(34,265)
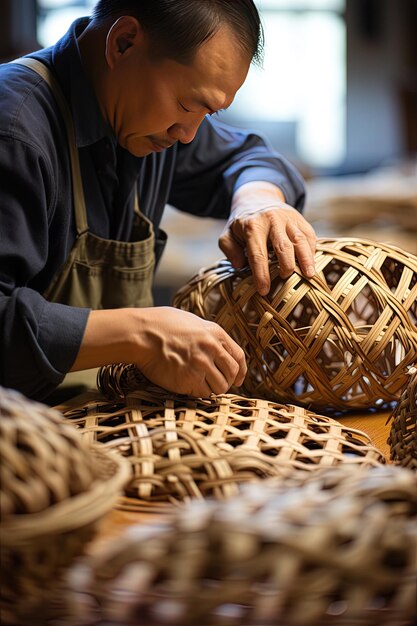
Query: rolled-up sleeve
(39,340)
(219,160)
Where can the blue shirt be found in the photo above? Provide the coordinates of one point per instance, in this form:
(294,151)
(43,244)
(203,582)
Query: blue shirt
(40,340)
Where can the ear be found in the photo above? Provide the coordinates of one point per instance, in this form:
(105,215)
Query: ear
(122,37)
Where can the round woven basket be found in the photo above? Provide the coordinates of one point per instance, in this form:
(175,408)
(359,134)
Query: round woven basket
(340,340)
(181,448)
(325,548)
(403,435)
(54,489)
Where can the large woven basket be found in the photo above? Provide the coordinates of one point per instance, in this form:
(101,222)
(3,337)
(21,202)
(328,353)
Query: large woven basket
(325,548)
(340,340)
(403,435)
(55,487)
(181,448)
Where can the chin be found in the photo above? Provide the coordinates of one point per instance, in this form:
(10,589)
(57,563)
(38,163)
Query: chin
(138,147)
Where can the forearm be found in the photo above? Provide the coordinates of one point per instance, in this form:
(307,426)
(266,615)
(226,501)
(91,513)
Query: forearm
(111,336)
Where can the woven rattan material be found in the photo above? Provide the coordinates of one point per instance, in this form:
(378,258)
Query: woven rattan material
(403,434)
(340,340)
(330,548)
(182,448)
(55,486)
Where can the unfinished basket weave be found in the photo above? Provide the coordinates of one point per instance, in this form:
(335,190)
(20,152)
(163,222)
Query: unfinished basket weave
(182,448)
(54,489)
(326,548)
(403,434)
(340,340)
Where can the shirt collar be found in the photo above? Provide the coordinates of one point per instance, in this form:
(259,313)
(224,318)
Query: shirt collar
(89,124)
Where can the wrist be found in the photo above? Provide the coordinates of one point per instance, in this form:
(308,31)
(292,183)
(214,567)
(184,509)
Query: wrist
(255,196)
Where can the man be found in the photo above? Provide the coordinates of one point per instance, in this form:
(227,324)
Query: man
(91,150)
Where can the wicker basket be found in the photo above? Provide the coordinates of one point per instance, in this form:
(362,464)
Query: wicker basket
(182,448)
(54,489)
(326,548)
(340,340)
(403,435)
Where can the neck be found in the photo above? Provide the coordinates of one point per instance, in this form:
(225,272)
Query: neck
(92,45)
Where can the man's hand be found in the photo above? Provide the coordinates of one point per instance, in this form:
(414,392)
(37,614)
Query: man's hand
(183,353)
(260,219)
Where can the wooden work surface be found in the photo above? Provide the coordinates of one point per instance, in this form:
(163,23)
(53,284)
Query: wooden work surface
(374,424)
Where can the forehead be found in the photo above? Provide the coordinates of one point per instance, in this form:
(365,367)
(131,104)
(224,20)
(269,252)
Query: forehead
(217,70)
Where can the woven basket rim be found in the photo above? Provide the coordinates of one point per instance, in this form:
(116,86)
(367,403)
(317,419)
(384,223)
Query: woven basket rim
(72,513)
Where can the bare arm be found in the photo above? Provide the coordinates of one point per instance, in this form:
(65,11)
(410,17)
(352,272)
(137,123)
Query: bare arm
(174,349)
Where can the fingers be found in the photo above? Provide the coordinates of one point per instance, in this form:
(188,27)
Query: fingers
(201,390)
(232,362)
(284,250)
(257,251)
(219,374)
(294,244)
(249,236)
(238,355)
(225,366)
(216,381)
(303,250)
(232,249)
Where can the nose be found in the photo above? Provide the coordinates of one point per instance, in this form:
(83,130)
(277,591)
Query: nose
(184,132)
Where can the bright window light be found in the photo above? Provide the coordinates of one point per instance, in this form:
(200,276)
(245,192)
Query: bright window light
(303,79)
(56,16)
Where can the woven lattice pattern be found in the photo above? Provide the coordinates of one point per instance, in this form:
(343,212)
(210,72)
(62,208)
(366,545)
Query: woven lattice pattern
(403,435)
(325,548)
(340,340)
(55,486)
(182,448)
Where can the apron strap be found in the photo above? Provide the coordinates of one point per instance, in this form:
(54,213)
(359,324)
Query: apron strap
(79,202)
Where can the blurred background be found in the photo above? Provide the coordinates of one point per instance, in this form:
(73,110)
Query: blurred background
(337,95)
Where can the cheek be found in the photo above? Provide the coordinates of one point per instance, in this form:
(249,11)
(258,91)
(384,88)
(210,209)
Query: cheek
(150,112)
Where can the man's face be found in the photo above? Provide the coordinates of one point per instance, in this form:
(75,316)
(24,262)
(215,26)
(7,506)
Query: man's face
(153,104)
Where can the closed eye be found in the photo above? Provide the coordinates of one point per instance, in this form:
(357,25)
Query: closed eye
(184,108)
(189,110)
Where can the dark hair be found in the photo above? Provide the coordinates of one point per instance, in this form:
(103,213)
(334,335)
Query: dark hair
(179,27)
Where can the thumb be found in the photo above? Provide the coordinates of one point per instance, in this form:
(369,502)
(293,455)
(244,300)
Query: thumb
(232,249)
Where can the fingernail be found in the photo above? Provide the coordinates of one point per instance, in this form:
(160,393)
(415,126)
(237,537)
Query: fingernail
(310,271)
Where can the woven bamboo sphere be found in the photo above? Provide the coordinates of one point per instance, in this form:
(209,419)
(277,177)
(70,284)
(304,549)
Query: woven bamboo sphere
(181,448)
(330,547)
(340,340)
(54,488)
(403,434)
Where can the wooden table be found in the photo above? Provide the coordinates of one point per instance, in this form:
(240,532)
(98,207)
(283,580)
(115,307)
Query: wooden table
(373,424)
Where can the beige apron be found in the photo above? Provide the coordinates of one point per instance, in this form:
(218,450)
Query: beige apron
(99,273)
